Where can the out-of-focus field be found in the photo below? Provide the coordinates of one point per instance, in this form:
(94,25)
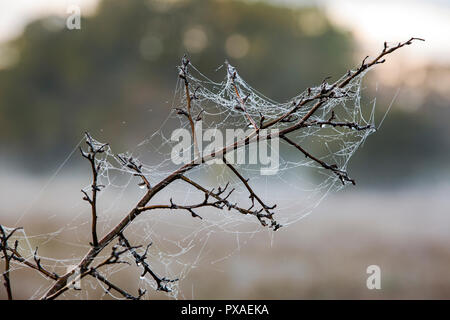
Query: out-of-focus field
(324,256)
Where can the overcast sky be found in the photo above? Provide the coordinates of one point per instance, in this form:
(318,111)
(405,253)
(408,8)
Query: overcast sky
(372,21)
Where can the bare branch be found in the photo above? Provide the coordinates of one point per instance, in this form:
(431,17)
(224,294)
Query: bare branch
(16,256)
(241,107)
(228,204)
(184,75)
(377,60)
(253,196)
(114,258)
(110,285)
(332,123)
(4,247)
(131,163)
(91,157)
(342,175)
(141,261)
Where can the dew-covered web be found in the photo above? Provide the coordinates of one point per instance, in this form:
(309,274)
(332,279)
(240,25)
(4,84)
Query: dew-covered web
(181,243)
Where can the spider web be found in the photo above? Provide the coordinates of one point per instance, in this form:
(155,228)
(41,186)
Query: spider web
(179,242)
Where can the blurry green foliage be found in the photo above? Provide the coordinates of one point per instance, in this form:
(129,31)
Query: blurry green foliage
(123,62)
(411,147)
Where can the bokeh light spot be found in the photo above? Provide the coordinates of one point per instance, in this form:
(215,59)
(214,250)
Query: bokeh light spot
(237,46)
(195,39)
(312,23)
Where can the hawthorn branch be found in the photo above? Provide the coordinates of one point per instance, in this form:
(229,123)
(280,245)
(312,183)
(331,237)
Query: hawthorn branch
(288,116)
(327,92)
(377,60)
(16,256)
(253,196)
(131,163)
(60,286)
(332,123)
(184,75)
(320,98)
(173,206)
(141,260)
(94,273)
(4,247)
(227,203)
(12,253)
(350,76)
(342,175)
(220,203)
(115,256)
(93,151)
(232,75)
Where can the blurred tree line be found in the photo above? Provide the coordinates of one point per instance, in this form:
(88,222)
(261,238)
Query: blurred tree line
(116,76)
(122,63)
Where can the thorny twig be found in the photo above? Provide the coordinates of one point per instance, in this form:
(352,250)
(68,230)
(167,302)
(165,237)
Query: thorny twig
(131,163)
(253,196)
(330,122)
(327,92)
(114,258)
(232,76)
(12,253)
(377,60)
(16,256)
(93,150)
(220,203)
(342,175)
(111,285)
(183,74)
(228,204)
(141,261)
(4,247)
